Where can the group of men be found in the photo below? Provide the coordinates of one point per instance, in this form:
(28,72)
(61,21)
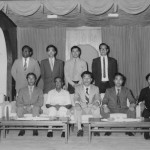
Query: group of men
(85,87)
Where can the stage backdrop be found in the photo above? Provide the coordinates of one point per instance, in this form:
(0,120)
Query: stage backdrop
(128,44)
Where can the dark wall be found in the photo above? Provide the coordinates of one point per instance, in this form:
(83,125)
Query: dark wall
(10,33)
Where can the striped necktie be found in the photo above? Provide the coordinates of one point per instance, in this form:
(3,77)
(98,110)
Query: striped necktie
(104,69)
(118,98)
(87,95)
(25,64)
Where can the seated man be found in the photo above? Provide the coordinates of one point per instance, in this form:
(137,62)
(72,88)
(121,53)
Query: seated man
(115,100)
(30,100)
(58,102)
(87,100)
(145,97)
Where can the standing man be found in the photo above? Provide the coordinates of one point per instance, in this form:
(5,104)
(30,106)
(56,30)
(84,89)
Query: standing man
(29,100)
(23,66)
(87,100)
(115,100)
(58,102)
(104,68)
(145,97)
(51,68)
(73,69)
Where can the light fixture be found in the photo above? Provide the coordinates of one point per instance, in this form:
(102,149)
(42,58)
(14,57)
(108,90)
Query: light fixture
(113,15)
(52,16)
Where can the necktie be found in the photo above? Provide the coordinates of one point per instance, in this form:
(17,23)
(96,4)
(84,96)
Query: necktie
(25,64)
(118,98)
(87,96)
(51,64)
(74,72)
(104,69)
(30,91)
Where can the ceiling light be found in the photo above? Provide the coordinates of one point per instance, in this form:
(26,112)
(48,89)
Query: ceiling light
(115,15)
(52,16)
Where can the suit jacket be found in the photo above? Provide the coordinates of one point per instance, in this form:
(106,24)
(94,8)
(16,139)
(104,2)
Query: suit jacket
(19,74)
(79,96)
(96,70)
(48,75)
(145,96)
(24,98)
(110,98)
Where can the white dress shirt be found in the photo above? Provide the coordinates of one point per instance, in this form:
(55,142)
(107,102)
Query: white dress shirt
(58,98)
(52,61)
(106,68)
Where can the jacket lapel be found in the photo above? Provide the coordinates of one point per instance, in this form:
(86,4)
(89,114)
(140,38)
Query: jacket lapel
(55,66)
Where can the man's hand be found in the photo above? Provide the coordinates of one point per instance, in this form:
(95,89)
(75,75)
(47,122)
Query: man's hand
(131,108)
(48,105)
(106,109)
(68,106)
(65,87)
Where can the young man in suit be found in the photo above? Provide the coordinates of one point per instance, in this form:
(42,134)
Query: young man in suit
(73,69)
(145,97)
(50,69)
(104,68)
(115,100)
(58,102)
(87,100)
(29,100)
(23,66)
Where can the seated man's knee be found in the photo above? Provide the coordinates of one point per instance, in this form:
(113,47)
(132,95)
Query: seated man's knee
(35,111)
(20,111)
(62,112)
(52,111)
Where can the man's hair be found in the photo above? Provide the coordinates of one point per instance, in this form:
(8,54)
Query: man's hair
(147,76)
(77,47)
(31,73)
(28,47)
(52,46)
(87,73)
(121,75)
(107,47)
(58,78)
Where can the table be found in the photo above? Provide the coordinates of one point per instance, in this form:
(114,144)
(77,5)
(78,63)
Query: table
(35,124)
(112,126)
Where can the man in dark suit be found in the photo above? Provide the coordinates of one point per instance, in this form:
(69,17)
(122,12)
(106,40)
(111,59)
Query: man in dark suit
(104,69)
(29,100)
(145,97)
(51,68)
(115,100)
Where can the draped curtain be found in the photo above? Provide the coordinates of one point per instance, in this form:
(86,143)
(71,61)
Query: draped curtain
(62,7)
(130,46)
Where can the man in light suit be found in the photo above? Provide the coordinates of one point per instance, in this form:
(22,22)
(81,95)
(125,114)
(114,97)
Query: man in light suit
(104,68)
(51,68)
(23,66)
(87,100)
(29,100)
(115,100)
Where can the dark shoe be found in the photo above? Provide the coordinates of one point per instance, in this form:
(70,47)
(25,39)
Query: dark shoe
(21,133)
(96,134)
(80,133)
(107,133)
(63,134)
(146,136)
(50,134)
(129,133)
(35,133)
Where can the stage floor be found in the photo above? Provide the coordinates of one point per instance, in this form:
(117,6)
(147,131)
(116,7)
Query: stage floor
(117,141)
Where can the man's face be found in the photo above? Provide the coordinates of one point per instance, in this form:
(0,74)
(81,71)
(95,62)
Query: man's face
(58,84)
(118,81)
(86,80)
(51,52)
(31,80)
(75,53)
(103,50)
(148,80)
(26,53)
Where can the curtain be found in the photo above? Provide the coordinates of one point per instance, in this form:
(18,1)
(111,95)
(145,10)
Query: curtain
(130,46)
(3,64)
(82,36)
(39,39)
(60,7)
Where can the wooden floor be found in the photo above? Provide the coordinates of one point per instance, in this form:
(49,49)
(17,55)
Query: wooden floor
(117,141)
